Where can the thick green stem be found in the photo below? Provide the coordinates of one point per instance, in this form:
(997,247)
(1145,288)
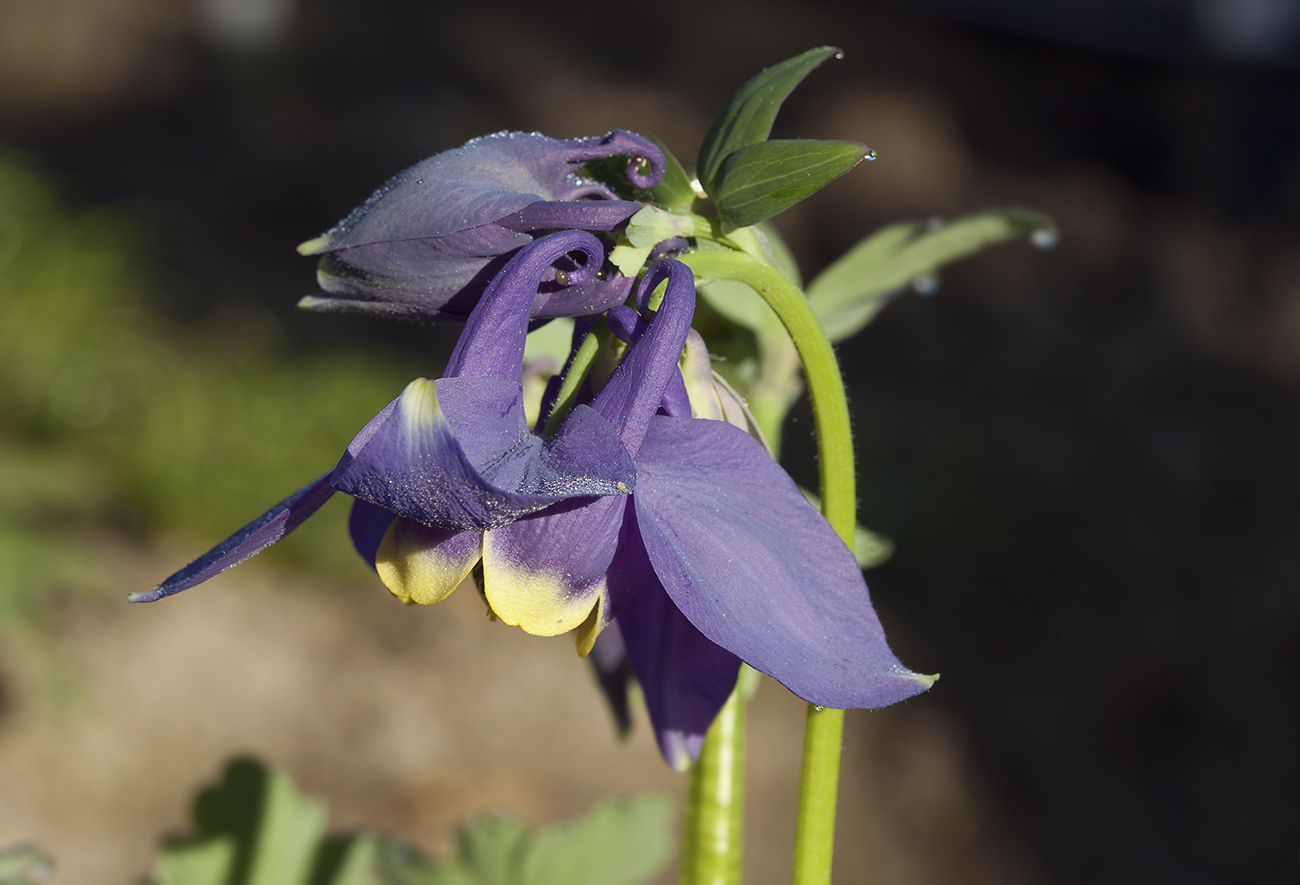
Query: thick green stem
(713,822)
(824,729)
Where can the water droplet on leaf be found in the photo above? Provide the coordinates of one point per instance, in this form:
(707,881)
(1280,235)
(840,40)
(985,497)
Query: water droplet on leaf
(818,707)
(926,284)
(1044,238)
(870,155)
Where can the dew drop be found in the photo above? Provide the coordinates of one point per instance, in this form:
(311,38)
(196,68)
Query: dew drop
(818,707)
(1044,238)
(419,181)
(870,155)
(839,56)
(562,278)
(926,284)
(642,165)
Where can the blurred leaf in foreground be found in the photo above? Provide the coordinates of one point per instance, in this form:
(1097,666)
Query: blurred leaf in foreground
(254,828)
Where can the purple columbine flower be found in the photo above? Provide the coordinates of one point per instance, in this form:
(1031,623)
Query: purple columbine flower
(715,558)
(456,453)
(426,244)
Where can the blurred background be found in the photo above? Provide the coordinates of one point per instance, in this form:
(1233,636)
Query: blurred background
(1086,457)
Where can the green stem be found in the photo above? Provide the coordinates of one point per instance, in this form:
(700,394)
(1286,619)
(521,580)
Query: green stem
(713,821)
(824,729)
(574,374)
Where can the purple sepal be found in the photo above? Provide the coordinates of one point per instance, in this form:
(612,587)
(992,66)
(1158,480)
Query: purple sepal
(252,539)
(758,570)
(463,458)
(685,678)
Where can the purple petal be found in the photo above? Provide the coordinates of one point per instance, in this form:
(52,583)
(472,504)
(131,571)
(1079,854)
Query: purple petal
(367,525)
(252,539)
(613,670)
(547,572)
(571,215)
(492,345)
(482,181)
(685,678)
(635,390)
(437,277)
(421,564)
(759,571)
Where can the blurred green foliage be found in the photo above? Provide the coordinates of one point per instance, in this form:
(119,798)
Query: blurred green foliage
(253,827)
(114,418)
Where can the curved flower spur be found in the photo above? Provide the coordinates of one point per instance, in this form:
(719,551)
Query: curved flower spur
(715,557)
(426,244)
(456,453)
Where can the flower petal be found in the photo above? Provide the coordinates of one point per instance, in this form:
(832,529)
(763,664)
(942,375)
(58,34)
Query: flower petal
(635,390)
(367,525)
(430,279)
(252,539)
(492,344)
(613,670)
(572,566)
(757,570)
(482,181)
(685,677)
(421,564)
(547,572)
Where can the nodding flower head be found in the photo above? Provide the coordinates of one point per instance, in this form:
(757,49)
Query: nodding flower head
(712,558)
(427,243)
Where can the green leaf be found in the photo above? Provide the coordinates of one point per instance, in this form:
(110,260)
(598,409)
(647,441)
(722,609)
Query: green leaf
(253,828)
(25,865)
(747,118)
(756,182)
(849,293)
(674,192)
(493,850)
(617,843)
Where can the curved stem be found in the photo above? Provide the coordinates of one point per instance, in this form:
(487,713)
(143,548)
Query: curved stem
(824,729)
(822,372)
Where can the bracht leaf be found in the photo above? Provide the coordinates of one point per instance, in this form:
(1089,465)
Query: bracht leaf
(848,294)
(747,118)
(758,181)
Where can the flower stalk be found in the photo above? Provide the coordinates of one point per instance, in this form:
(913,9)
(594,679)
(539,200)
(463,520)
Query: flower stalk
(713,819)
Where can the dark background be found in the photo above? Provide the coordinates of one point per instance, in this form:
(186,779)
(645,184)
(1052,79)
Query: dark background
(1087,457)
